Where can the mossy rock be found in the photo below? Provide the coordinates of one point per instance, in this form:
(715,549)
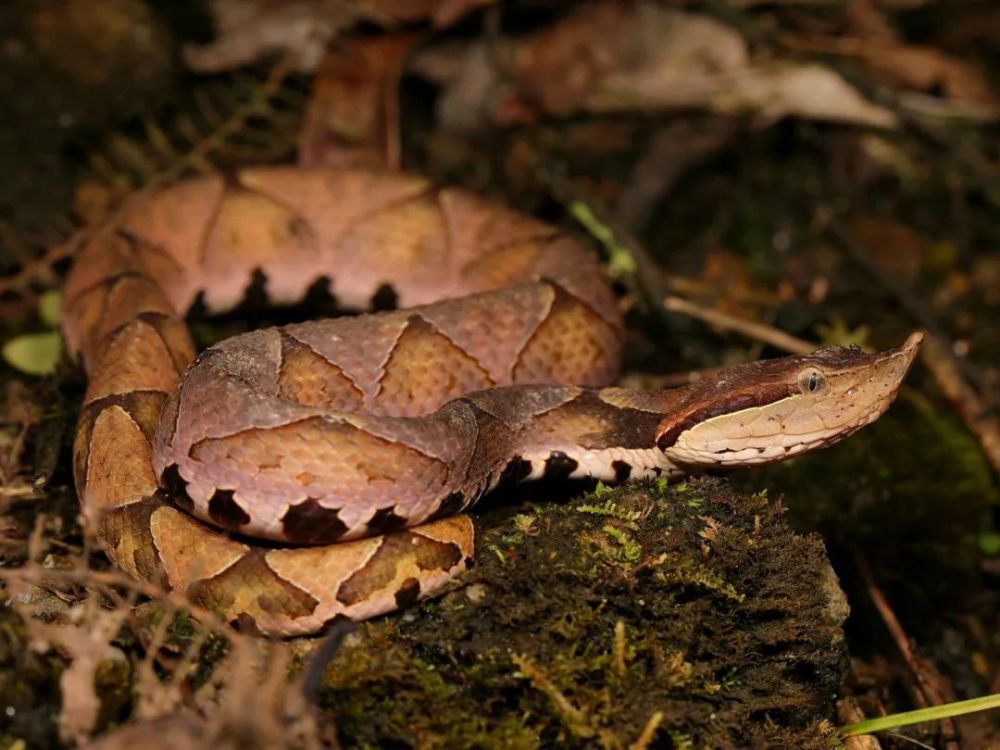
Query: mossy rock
(913,492)
(681,616)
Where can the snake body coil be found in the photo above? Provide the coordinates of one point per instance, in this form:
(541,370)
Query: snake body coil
(351,446)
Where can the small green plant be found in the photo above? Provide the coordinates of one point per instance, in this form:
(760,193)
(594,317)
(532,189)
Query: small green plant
(932,713)
(38,353)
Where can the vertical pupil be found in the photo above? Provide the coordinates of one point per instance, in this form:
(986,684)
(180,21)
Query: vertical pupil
(813,381)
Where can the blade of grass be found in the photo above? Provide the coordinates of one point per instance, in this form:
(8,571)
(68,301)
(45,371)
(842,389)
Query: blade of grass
(932,713)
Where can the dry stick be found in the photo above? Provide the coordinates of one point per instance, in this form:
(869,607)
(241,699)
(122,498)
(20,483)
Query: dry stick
(749,328)
(929,689)
(35,575)
(980,421)
(849,712)
(951,374)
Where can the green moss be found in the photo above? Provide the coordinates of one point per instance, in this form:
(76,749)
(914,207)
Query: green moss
(626,611)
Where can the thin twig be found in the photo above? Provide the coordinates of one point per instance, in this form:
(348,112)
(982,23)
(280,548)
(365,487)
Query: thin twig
(931,688)
(978,418)
(951,373)
(749,328)
(34,575)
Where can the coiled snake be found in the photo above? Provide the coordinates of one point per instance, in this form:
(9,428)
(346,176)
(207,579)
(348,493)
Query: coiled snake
(291,476)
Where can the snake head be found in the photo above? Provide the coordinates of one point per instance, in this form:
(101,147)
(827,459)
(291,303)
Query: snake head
(769,410)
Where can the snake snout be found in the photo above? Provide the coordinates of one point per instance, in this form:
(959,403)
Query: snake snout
(830,395)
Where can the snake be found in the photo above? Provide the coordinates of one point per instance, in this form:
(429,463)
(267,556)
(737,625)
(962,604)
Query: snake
(290,477)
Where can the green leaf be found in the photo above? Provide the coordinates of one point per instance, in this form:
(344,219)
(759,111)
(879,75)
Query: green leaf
(34,353)
(989,543)
(48,308)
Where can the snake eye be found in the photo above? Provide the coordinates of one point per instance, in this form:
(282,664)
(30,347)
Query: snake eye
(811,381)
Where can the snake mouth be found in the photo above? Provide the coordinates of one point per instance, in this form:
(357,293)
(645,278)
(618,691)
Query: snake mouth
(767,411)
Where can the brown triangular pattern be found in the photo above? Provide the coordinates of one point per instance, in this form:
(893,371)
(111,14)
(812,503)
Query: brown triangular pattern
(190,550)
(143,407)
(128,298)
(251,587)
(477,227)
(107,255)
(177,219)
(333,200)
(425,370)
(132,358)
(400,556)
(358,346)
(311,379)
(175,335)
(127,536)
(509,264)
(253,231)
(579,272)
(493,327)
(404,244)
(119,469)
(572,345)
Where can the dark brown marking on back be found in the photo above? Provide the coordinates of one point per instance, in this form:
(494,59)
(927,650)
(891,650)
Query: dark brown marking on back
(623,427)
(622,469)
(131,524)
(255,294)
(559,466)
(309,522)
(380,570)
(299,228)
(251,572)
(385,299)
(318,295)
(153,318)
(516,470)
(247,625)
(176,488)
(449,507)
(225,511)
(386,521)
(408,594)
(143,406)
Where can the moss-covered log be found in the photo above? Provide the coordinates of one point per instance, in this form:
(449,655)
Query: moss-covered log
(671,617)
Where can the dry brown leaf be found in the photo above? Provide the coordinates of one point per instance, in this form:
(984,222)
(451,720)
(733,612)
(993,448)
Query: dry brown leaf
(614,58)
(768,92)
(248,30)
(918,68)
(931,71)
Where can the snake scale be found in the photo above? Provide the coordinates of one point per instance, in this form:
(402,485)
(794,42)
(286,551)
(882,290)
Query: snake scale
(292,476)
